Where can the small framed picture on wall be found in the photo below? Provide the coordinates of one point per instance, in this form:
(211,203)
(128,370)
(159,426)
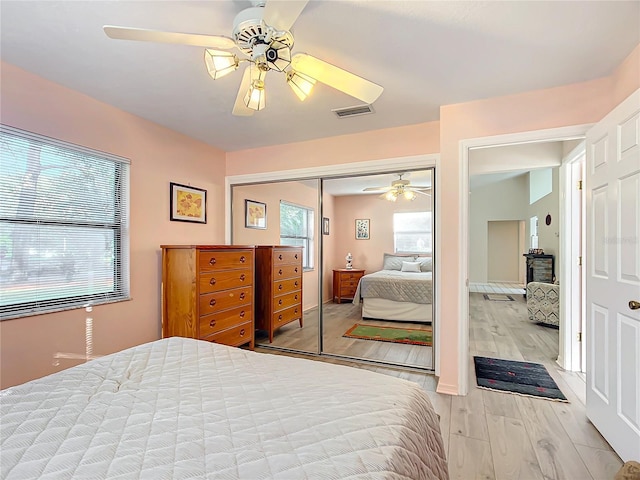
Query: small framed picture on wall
(362,229)
(255,214)
(187,204)
(325,226)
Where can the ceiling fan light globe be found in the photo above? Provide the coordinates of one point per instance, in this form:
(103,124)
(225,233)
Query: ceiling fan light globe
(391,195)
(255,97)
(220,63)
(409,195)
(300,84)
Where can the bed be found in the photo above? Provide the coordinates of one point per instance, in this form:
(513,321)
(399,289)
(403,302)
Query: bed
(402,290)
(183,408)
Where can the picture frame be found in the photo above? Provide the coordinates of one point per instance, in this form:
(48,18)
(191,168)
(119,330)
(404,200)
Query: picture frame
(255,214)
(325,226)
(187,203)
(362,229)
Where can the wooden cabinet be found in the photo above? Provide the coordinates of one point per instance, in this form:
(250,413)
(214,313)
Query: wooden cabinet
(540,268)
(278,287)
(208,293)
(345,282)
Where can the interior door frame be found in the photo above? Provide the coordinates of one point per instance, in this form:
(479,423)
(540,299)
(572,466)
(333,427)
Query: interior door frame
(414,162)
(574,132)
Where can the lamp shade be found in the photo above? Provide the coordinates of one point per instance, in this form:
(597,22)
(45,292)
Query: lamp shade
(300,84)
(256,96)
(220,63)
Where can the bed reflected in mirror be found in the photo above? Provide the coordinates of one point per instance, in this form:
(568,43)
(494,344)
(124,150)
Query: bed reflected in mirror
(380,304)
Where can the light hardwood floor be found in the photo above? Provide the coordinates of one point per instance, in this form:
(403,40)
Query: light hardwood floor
(338,318)
(492,435)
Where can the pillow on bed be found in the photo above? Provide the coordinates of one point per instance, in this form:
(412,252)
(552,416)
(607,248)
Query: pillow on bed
(426,264)
(410,267)
(394,262)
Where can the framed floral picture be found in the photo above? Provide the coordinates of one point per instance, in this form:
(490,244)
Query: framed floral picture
(187,204)
(255,214)
(362,229)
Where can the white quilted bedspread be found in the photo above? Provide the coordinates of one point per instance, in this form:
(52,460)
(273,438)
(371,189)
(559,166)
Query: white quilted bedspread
(181,408)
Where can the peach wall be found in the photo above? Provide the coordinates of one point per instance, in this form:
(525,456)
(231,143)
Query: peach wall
(330,246)
(626,78)
(158,156)
(304,193)
(368,254)
(375,145)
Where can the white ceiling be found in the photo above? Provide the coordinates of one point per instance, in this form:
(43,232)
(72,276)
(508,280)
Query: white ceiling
(424,53)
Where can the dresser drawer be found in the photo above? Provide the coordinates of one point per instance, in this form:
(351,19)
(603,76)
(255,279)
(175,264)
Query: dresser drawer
(215,302)
(286,286)
(234,336)
(282,257)
(287,300)
(210,324)
(224,280)
(350,277)
(224,260)
(286,271)
(347,291)
(286,316)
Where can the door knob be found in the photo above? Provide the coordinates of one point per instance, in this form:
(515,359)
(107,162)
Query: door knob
(633,305)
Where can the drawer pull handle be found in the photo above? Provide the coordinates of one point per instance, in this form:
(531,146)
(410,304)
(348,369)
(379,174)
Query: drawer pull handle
(242,332)
(212,323)
(296,256)
(242,277)
(212,261)
(295,311)
(280,302)
(296,284)
(243,259)
(296,270)
(280,272)
(280,257)
(242,314)
(280,287)
(242,295)
(212,302)
(279,317)
(296,297)
(212,281)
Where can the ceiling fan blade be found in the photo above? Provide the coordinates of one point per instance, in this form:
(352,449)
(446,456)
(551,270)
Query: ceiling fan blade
(281,15)
(239,108)
(193,39)
(420,192)
(336,77)
(376,189)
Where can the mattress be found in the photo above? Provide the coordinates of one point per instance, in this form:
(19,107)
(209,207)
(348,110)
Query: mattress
(414,287)
(181,408)
(383,309)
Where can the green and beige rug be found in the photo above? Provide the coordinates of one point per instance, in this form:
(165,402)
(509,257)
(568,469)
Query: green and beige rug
(413,336)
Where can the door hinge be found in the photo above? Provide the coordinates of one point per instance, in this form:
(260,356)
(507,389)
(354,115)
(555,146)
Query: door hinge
(579,336)
(580,261)
(579,186)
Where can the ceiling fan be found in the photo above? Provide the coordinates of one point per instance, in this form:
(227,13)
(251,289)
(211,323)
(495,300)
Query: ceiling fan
(400,188)
(262,35)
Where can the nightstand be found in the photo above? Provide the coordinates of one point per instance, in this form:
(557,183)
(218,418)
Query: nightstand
(345,282)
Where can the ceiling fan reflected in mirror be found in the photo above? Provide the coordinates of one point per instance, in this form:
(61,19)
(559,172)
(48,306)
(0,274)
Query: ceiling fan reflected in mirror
(262,35)
(401,189)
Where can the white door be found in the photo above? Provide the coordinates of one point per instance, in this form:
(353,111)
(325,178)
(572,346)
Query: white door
(612,269)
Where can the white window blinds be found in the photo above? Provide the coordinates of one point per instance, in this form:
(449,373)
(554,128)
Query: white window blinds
(63,225)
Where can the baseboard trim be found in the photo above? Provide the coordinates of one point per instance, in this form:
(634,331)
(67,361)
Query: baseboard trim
(447,389)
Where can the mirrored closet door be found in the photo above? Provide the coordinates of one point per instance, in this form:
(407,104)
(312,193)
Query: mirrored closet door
(378,262)
(281,219)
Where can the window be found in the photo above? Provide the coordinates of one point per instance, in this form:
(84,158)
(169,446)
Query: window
(63,225)
(297,228)
(412,232)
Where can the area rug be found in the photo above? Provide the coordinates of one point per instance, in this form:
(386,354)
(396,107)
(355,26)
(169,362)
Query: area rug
(521,378)
(413,336)
(498,297)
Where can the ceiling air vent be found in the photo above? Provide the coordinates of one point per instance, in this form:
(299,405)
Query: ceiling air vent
(353,111)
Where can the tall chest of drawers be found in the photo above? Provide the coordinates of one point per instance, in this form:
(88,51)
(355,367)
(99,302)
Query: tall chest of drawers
(278,287)
(208,293)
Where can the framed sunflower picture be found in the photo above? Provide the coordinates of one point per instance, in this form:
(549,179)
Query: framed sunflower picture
(255,214)
(188,204)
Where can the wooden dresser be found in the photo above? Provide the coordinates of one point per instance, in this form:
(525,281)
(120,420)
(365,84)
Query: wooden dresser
(278,287)
(345,282)
(208,293)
